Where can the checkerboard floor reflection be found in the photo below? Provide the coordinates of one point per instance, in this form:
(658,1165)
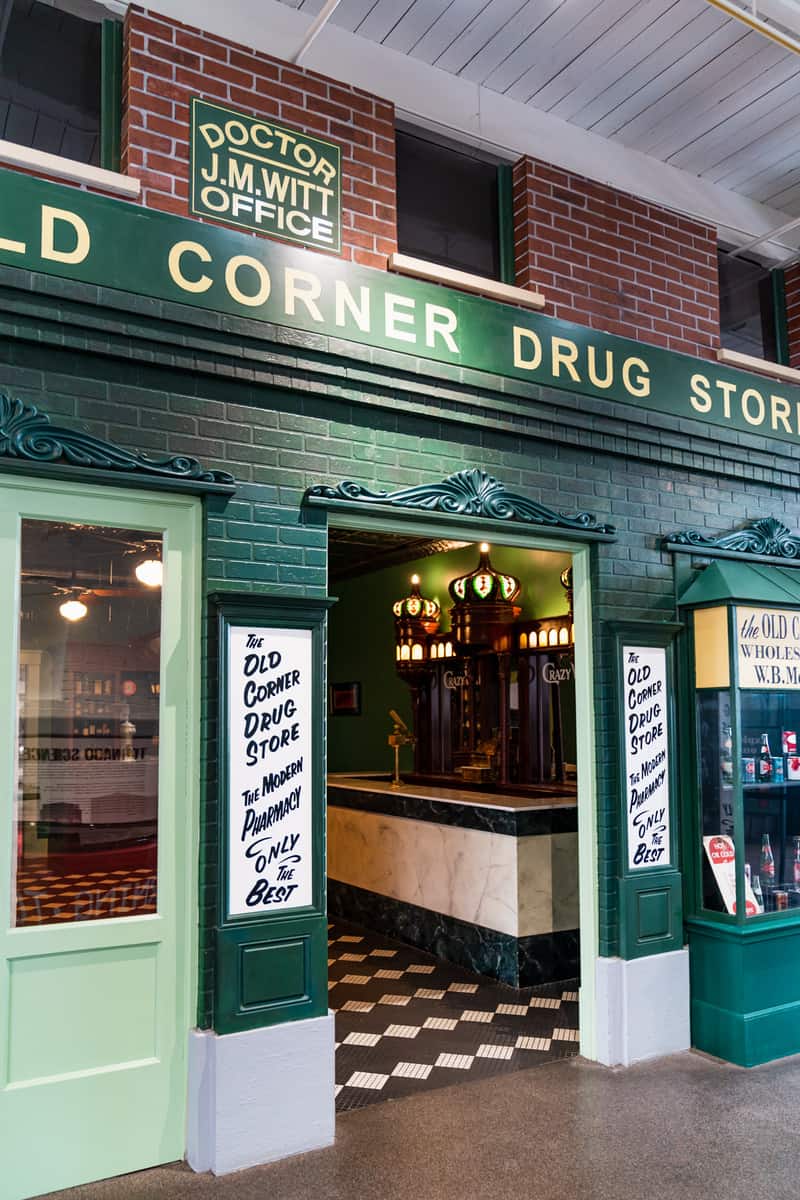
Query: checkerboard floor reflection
(407,1022)
(46,897)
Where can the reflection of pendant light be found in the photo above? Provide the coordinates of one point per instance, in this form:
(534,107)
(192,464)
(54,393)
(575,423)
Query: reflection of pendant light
(73,609)
(150,572)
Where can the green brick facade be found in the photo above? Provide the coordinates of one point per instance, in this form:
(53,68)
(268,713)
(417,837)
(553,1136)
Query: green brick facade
(283,410)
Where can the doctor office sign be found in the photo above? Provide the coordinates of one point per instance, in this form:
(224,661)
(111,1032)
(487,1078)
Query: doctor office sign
(250,172)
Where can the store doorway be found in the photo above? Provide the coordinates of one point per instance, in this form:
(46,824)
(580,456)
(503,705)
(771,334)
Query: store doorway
(97,875)
(453,862)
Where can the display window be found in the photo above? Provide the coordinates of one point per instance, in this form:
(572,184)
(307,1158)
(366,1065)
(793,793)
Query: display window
(747,719)
(89,683)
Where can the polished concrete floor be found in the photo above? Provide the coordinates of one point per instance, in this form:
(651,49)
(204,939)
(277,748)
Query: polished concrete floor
(677,1129)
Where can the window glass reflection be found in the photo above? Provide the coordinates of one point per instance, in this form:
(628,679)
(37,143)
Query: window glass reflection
(50,53)
(88,708)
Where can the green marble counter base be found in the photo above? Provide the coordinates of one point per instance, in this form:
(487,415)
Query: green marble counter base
(519,962)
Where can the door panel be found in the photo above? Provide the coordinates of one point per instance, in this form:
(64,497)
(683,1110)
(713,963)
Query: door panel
(97,880)
(90,1028)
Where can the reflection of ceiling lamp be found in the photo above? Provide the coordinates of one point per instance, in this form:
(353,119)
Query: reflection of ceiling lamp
(73,609)
(150,572)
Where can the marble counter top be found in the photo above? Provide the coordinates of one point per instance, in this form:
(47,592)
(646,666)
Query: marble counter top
(515,816)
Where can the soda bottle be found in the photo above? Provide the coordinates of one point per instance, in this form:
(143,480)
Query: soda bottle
(767,861)
(797,862)
(757,893)
(764,761)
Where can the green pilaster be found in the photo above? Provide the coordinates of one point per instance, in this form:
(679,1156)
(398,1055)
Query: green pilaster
(269,969)
(650,902)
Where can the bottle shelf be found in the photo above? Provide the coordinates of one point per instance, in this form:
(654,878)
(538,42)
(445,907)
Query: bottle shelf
(770,787)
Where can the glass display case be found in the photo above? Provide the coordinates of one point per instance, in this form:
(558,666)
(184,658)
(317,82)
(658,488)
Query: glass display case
(747,721)
(740,790)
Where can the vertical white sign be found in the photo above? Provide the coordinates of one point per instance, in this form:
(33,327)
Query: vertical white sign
(645,710)
(269,769)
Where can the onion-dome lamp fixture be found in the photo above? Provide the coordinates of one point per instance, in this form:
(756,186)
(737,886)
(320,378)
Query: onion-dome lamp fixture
(483,604)
(415,617)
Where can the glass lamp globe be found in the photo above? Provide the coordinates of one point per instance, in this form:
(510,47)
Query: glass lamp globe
(150,572)
(73,610)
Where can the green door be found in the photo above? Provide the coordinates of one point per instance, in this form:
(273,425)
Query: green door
(98,705)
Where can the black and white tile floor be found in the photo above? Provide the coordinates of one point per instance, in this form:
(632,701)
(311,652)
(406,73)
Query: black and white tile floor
(407,1022)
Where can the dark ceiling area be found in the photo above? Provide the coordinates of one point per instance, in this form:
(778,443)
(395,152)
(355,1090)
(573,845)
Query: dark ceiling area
(353,552)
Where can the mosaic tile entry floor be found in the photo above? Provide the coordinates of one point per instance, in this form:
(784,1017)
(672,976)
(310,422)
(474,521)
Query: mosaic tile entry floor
(408,1022)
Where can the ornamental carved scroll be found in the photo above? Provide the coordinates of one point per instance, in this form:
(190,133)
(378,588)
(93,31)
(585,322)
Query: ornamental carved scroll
(469,493)
(765,538)
(28,434)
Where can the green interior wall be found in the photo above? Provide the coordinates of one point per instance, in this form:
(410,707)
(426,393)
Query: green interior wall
(361,643)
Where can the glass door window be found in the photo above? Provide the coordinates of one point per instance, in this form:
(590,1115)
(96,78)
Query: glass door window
(86,813)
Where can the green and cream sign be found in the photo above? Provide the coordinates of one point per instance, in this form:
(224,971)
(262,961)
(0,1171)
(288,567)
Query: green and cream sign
(251,172)
(769,647)
(56,230)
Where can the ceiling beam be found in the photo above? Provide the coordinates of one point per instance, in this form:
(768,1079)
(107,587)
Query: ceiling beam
(315,28)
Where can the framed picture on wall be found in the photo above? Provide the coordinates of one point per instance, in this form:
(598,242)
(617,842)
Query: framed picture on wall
(344,699)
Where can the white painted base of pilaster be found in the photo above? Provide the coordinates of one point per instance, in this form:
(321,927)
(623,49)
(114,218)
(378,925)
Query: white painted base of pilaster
(642,1007)
(261,1095)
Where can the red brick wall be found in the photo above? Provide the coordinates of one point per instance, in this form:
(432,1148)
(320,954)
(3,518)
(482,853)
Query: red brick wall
(792,280)
(166,63)
(610,261)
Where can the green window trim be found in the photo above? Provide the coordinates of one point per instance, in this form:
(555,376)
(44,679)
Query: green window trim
(778,280)
(111,95)
(505,223)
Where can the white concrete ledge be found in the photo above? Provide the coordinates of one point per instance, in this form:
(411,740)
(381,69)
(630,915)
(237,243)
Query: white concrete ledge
(419,268)
(260,1095)
(732,358)
(642,1007)
(65,168)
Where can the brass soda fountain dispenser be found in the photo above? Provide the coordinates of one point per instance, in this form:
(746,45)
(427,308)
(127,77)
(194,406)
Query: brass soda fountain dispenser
(401,735)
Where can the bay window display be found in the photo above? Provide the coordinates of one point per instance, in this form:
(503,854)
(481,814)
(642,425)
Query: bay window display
(747,719)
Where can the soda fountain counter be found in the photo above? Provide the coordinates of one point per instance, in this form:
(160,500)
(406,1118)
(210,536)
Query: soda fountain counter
(743,836)
(486,880)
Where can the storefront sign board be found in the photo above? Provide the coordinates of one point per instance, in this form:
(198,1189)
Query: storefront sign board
(269,769)
(57,230)
(257,174)
(768,647)
(645,714)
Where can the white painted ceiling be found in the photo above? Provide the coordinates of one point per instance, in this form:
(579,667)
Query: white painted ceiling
(677,80)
